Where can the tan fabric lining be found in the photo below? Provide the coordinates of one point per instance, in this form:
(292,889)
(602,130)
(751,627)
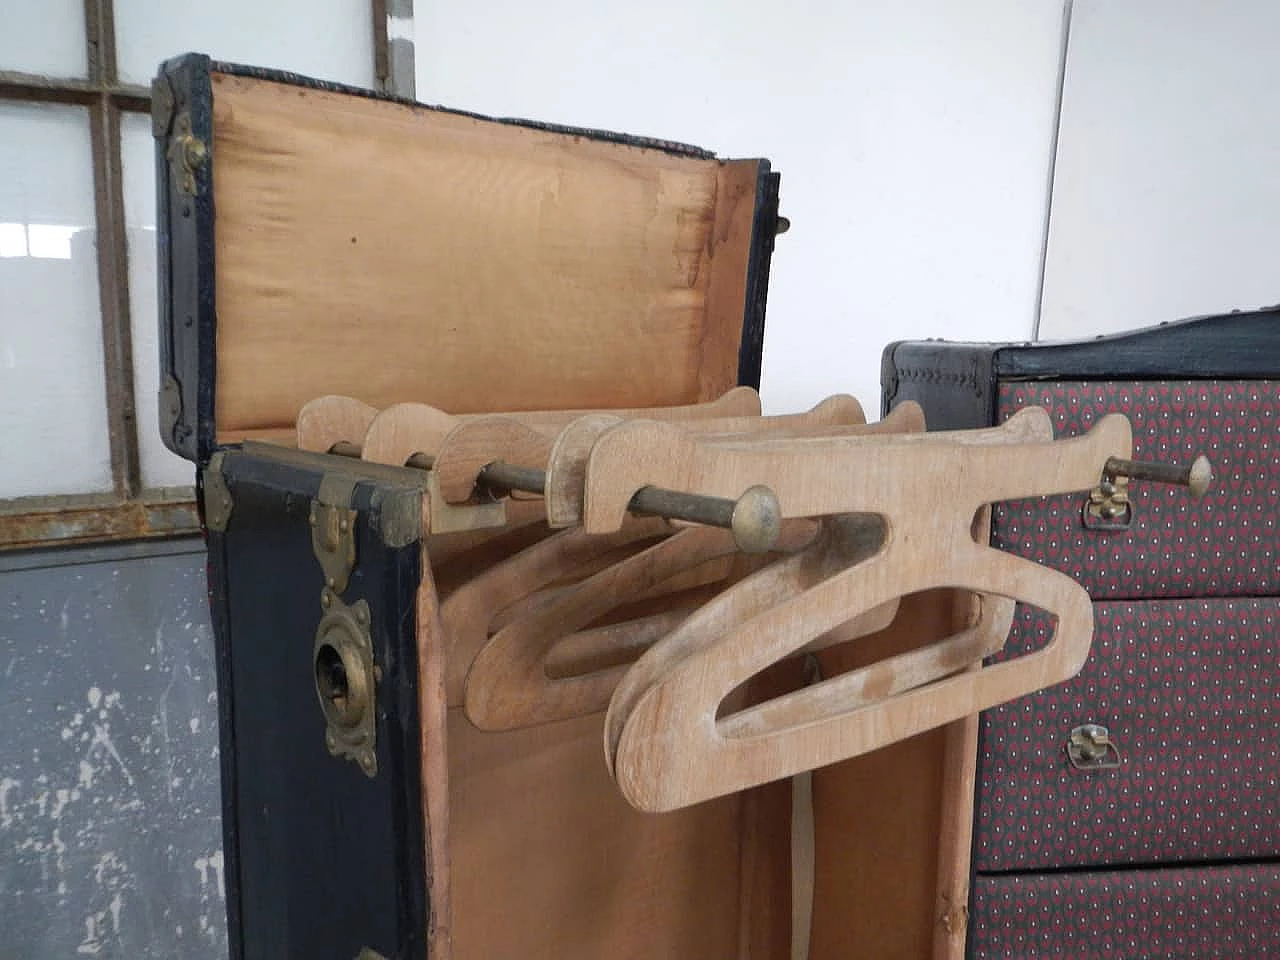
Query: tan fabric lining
(392,253)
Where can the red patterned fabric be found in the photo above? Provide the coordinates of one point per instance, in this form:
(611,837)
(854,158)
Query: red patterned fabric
(1190,691)
(1218,912)
(1222,545)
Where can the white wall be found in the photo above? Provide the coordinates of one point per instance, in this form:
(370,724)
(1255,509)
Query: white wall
(1166,199)
(913,138)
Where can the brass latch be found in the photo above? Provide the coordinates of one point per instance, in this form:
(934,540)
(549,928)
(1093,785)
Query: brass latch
(1089,747)
(333,540)
(187,154)
(344,671)
(1108,506)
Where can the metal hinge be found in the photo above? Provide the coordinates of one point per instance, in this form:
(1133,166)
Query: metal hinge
(217,496)
(171,409)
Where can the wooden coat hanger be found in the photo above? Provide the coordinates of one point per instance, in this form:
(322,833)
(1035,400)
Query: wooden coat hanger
(533,696)
(858,539)
(468,613)
(567,464)
(476,442)
(403,431)
(520,587)
(908,506)
(815,471)
(329,420)
(459,448)
(511,683)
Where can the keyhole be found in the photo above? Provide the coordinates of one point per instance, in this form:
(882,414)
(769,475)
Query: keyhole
(331,679)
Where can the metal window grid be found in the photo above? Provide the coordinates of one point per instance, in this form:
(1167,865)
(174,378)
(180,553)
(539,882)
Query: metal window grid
(129,511)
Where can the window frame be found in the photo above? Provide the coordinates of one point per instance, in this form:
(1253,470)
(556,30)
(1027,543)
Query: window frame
(131,511)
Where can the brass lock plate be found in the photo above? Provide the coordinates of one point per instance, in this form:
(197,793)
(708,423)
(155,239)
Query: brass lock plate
(346,681)
(343,668)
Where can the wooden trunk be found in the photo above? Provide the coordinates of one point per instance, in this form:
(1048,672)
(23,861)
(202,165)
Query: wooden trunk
(318,240)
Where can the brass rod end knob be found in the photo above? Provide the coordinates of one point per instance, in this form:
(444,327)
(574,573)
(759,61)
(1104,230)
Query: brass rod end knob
(1199,477)
(757,520)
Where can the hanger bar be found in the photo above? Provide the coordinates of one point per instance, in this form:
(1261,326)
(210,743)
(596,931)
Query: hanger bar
(755,517)
(343,448)
(1196,477)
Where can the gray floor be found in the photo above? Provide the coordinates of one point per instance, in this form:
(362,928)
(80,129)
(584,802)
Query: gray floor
(110,843)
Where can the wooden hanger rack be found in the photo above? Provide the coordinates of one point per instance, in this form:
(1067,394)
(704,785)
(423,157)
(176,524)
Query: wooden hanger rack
(701,544)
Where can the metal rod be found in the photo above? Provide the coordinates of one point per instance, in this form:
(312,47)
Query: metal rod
(755,518)
(508,476)
(344,448)
(657,502)
(1196,477)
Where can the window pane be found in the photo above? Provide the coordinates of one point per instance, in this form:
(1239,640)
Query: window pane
(53,416)
(328,39)
(160,467)
(45,37)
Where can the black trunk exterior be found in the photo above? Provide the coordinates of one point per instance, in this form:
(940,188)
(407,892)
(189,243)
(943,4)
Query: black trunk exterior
(322,861)
(956,382)
(182,106)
